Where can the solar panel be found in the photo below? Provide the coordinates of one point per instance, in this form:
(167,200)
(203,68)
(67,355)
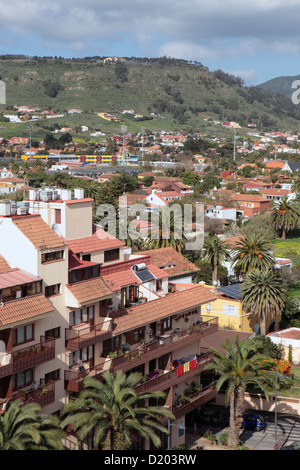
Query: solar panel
(145,275)
(233,291)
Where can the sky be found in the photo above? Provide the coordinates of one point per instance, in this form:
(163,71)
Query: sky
(256,40)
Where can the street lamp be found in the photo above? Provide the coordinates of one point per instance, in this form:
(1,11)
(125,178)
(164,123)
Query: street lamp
(276,447)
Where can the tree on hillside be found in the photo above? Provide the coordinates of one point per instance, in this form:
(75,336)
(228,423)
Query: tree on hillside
(121,72)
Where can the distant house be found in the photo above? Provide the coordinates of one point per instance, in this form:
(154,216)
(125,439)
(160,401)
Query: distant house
(248,205)
(220,212)
(292,167)
(277,194)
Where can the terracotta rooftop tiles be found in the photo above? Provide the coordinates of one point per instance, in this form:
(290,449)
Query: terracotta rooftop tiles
(38,232)
(100,240)
(88,291)
(142,314)
(121,278)
(249,197)
(24,309)
(16,277)
(3,264)
(164,257)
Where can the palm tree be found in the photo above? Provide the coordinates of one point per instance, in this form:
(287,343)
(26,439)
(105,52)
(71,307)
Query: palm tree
(167,231)
(215,252)
(263,293)
(22,428)
(296,186)
(285,216)
(110,409)
(239,367)
(252,253)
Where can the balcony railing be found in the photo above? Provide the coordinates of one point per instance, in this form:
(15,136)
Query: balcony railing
(165,344)
(200,398)
(88,336)
(170,378)
(74,377)
(25,358)
(43,395)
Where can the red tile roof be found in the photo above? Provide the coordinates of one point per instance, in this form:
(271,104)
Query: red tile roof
(164,257)
(89,291)
(38,232)
(24,309)
(142,314)
(100,240)
(16,277)
(3,264)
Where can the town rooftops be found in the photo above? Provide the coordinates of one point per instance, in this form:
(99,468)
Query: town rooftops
(38,232)
(24,309)
(142,314)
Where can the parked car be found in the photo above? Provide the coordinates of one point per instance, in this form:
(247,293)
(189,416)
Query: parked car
(294,446)
(253,422)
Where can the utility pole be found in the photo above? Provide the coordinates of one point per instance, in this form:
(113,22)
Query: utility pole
(123,130)
(142,130)
(234,144)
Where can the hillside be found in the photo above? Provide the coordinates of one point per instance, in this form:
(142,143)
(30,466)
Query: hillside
(282,85)
(169,94)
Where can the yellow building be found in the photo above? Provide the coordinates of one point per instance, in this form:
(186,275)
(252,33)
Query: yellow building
(228,309)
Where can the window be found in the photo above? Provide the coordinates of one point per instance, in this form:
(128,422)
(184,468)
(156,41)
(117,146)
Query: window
(82,315)
(23,334)
(86,257)
(52,290)
(138,335)
(82,355)
(54,375)
(111,255)
(52,256)
(57,216)
(53,333)
(22,379)
(17,292)
(84,274)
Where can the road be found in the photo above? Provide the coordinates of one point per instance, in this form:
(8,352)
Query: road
(288,431)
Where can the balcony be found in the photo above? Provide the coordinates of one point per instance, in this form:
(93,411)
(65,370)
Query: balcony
(26,358)
(88,336)
(203,396)
(74,377)
(166,343)
(43,395)
(167,379)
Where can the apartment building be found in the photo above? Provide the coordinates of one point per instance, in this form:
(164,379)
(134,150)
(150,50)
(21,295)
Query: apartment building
(73,304)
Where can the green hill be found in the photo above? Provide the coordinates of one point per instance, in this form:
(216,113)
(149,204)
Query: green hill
(282,85)
(170,94)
